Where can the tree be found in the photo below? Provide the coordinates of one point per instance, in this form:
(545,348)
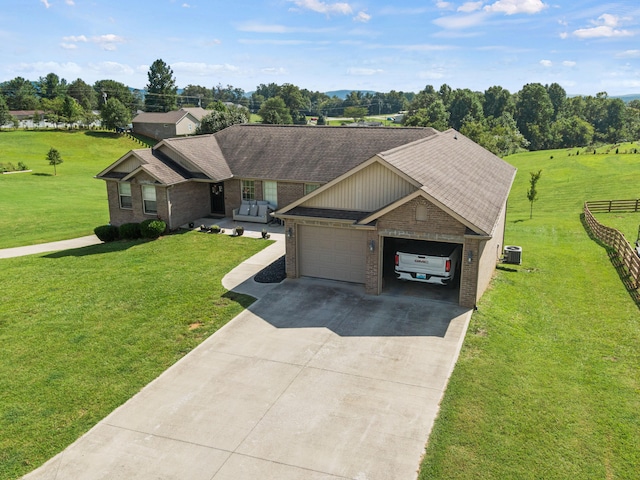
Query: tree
(220,119)
(84,94)
(20,94)
(432,115)
(534,114)
(114,114)
(572,132)
(51,86)
(5,116)
(161,93)
(464,105)
(107,89)
(532,193)
(357,113)
(54,159)
(497,101)
(71,110)
(274,111)
(558,96)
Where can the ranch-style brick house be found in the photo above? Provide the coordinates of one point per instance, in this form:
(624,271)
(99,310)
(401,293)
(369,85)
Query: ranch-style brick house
(345,195)
(159,125)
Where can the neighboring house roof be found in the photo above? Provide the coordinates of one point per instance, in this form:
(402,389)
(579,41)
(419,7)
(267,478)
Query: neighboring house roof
(170,117)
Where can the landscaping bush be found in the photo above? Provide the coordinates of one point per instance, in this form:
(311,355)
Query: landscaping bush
(107,233)
(215,229)
(152,228)
(130,231)
(22,166)
(239,231)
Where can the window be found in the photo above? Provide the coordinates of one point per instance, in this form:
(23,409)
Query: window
(149,199)
(124,189)
(270,192)
(248,190)
(310,187)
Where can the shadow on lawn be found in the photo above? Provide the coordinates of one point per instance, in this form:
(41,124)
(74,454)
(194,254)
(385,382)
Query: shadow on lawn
(623,273)
(101,248)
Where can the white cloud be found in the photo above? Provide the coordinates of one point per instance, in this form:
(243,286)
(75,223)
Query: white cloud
(275,28)
(186,5)
(461,21)
(75,38)
(435,74)
(512,7)
(67,70)
(71,3)
(107,42)
(363,17)
(546,63)
(69,46)
(443,5)
(203,69)
(364,71)
(564,35)
(114,68)
(322,7)
(629,54)
(469,7)
(45,3)
(569,63)
(274,71)
(605,26)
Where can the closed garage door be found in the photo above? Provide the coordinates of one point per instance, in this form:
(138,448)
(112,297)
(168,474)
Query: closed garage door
(332,253)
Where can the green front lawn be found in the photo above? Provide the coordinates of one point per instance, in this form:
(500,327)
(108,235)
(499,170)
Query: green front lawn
(548,381)
(83,330)
(39,207)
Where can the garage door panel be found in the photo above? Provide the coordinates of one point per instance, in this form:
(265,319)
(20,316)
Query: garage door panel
(332,253)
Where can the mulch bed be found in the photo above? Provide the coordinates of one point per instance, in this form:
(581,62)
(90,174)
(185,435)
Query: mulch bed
(274,273)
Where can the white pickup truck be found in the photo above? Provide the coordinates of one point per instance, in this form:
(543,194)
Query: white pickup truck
(434,263)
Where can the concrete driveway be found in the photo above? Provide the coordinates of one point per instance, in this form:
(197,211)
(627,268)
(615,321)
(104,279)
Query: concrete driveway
(314,381)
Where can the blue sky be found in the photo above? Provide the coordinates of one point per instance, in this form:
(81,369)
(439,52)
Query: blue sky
(587,46)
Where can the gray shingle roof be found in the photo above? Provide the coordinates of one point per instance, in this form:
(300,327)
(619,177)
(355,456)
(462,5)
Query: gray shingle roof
(306,153)
(460,174)
(169,117)
(203,151)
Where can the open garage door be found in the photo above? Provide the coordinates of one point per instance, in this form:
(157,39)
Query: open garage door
(332,253)
(391,285)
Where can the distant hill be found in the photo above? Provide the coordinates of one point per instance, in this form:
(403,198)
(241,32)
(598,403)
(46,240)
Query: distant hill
(627,98)
(342,94)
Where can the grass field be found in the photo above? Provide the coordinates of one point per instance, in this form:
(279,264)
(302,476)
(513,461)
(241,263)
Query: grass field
(548,380)
(40,207)
(83,330)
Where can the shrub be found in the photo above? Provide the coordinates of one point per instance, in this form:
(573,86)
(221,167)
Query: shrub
(130,231)
(22,166)
(239,231)
(107,233)
(215,229)
(152,228)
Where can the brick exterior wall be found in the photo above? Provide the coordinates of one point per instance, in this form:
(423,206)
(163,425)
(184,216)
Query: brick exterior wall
(439,226)
(289,192)
(118,216)
(291,257)
(232,197)
(373,264)
(187,202)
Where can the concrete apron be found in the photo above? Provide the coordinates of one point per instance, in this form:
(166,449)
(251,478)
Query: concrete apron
(316,380)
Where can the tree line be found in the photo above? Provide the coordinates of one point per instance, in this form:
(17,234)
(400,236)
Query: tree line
(536,117)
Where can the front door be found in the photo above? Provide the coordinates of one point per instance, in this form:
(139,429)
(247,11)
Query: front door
(217,198)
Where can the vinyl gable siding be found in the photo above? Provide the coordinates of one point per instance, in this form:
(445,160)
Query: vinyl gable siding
(367,190)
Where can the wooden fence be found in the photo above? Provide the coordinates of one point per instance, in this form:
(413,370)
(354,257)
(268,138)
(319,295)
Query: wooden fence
(613,238)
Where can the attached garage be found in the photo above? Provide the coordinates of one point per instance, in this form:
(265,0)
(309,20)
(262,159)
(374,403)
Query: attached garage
(332,253)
